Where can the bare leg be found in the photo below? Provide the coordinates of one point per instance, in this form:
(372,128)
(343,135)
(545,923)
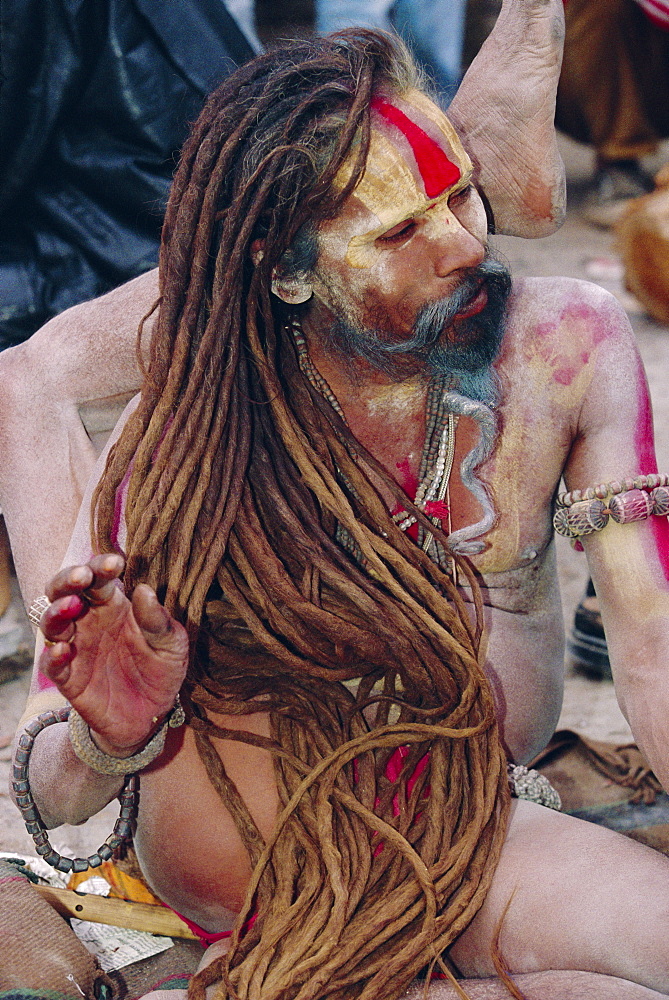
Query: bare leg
(505,109)
(555,985)
(571,895)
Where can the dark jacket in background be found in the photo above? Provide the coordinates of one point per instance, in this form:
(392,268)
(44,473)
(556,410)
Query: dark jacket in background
(96,97)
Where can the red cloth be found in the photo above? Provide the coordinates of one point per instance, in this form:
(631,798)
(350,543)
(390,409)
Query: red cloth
(657,11)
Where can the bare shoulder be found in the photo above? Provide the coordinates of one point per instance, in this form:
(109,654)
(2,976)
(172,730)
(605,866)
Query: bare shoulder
(125,304)
(561,334)
(558,309)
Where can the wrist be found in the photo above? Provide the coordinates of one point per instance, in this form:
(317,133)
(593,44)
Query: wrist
(120,752)
(126,760)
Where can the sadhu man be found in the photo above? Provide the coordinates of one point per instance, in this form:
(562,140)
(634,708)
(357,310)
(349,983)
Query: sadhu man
(331,510)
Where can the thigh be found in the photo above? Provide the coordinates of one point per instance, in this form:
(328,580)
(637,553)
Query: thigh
(571,895)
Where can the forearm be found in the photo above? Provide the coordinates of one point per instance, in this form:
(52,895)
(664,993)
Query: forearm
(626,564)
(64,789)
(640,668)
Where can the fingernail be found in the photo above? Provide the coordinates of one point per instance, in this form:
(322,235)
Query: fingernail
(73,605)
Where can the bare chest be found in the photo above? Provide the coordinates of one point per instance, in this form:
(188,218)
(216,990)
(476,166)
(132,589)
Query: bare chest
(520,477)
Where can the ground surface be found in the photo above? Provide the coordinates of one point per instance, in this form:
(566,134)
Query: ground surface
(578,250)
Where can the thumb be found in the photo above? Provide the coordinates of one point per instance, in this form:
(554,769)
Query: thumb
(160,630)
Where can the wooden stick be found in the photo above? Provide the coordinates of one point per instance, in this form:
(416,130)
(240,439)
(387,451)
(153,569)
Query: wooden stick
(118,912)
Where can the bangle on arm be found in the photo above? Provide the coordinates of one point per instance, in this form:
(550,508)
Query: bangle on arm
(31,817)
(95,758)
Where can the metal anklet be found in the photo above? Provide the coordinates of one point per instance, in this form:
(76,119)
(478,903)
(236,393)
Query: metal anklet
(526,783)
(582,512)
(122,828)
(91,755)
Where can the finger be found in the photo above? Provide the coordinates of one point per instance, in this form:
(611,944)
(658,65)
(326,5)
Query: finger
(158,627)
(72,580)
(55,662)
(106,570)
(57,622)
(98,575)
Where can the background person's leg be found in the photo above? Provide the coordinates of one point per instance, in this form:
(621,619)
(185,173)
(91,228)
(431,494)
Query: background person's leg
(614,95)
(435,30)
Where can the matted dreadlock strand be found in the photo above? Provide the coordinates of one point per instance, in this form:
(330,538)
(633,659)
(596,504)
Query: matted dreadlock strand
(374,820)
(294,522)
(380,513)
(239,482)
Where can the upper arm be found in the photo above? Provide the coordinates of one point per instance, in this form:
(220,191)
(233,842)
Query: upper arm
(80,548)
(59,392)
(629,563)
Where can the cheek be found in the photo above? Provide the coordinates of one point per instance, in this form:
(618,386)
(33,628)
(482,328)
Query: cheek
(472,217)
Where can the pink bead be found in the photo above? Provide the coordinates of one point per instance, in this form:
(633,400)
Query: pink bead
(660,500)
(633,505)
(582,518)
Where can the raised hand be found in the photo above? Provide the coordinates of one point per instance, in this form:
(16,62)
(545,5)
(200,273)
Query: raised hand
(119,662)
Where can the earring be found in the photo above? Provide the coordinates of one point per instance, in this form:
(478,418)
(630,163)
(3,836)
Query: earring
(291,290)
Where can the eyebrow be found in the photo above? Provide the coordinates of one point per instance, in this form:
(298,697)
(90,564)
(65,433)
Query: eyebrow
(437,172)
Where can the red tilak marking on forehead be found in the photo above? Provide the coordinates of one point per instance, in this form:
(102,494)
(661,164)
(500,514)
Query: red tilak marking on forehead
(436,169)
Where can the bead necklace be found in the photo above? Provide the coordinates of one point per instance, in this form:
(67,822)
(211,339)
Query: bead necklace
(438,450)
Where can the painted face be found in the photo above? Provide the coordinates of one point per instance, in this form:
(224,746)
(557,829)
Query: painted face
(412,227)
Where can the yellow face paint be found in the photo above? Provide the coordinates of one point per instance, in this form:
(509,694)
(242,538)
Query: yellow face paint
(416,162)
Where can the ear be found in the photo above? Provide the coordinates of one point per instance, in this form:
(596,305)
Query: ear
(291,290)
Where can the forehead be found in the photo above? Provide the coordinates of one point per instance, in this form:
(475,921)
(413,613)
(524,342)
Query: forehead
(415,160)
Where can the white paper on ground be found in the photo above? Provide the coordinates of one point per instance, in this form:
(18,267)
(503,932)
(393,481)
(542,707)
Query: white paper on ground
(116,947)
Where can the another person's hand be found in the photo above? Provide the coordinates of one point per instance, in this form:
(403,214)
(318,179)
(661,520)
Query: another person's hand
(119,662)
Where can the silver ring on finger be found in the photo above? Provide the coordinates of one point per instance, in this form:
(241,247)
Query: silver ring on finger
(37,609)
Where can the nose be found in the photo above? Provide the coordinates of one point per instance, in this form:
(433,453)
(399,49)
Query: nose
(456,243)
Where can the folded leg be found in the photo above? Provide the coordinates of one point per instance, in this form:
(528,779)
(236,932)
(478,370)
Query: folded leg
(571,895)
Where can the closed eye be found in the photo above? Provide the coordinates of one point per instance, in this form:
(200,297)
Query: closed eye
(399,233)
(459,197)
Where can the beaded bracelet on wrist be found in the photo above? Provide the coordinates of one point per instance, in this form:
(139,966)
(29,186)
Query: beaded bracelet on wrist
(122,828)
(582,512)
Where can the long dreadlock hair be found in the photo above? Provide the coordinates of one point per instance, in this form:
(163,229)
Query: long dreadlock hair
(391,778)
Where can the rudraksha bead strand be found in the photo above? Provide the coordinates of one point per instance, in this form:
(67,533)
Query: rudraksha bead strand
(605,490)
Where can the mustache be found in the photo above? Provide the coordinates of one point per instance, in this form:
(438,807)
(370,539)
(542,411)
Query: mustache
(438,320)
(441,341)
